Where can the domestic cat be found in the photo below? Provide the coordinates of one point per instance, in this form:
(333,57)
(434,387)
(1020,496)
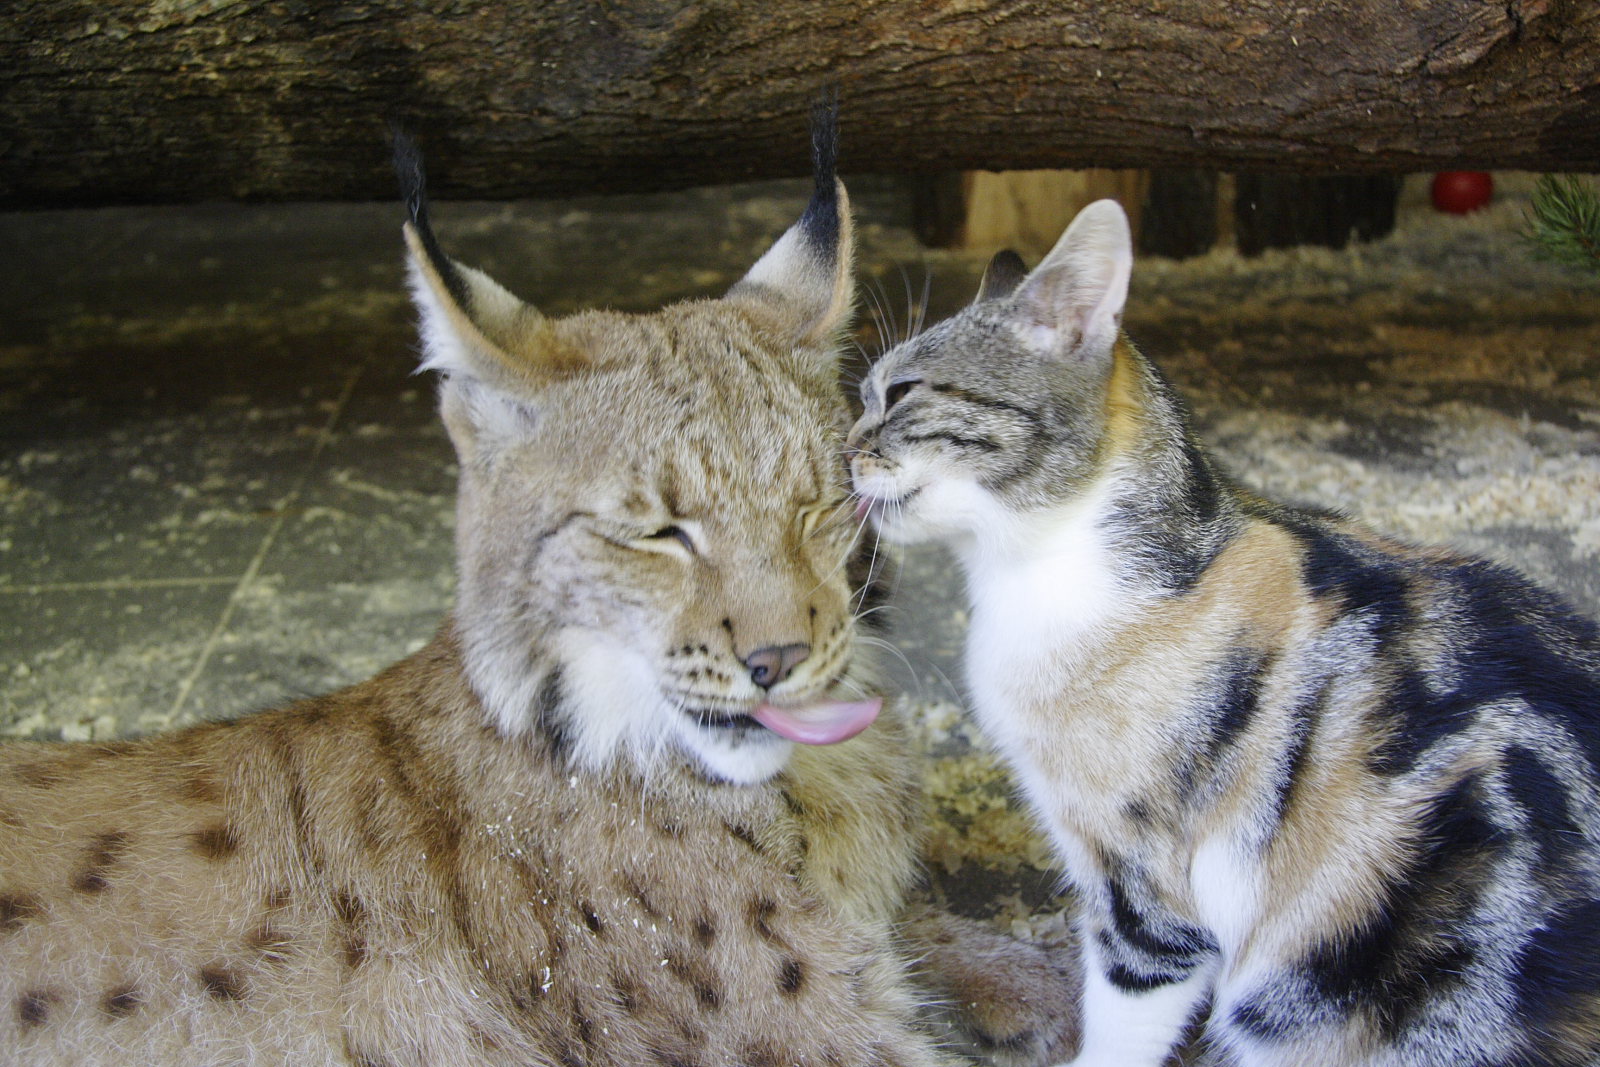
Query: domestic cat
(1335,793)
(612,815)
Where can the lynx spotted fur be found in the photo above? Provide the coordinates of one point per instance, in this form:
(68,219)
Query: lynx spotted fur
(557,835)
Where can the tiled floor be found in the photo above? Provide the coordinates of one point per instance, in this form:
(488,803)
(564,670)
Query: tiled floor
(221,486)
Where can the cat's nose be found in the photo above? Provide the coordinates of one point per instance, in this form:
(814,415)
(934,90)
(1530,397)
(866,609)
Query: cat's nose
(769,666)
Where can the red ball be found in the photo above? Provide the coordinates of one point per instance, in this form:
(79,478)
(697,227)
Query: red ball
(1461,191)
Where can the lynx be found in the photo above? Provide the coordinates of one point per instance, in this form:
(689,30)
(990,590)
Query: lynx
(615,813)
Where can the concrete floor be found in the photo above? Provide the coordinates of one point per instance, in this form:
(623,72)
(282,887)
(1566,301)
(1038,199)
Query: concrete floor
(221,486)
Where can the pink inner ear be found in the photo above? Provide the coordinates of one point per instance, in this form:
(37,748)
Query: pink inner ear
(1078,291)
(827,723)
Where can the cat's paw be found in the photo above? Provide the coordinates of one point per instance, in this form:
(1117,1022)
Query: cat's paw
(999,999)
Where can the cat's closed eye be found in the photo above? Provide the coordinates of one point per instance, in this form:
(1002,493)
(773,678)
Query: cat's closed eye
(897,391)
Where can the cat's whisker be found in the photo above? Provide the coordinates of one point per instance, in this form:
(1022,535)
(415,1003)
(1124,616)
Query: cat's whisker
(844,561)
(927,292)
(873,570)
(916,309)
(891,647)
(883,318)
(840,514)
(916,313)
(874,310)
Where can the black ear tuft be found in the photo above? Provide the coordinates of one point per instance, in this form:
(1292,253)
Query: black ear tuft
(1002,276)
(408,168)
(413,178)
(820,223)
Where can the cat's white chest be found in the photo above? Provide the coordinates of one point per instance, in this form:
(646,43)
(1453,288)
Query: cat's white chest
(1029,628)
(1037,614)
(1038,624)
(1026,652)
(1042,623)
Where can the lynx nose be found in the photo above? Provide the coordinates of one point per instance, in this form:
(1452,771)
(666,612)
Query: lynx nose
(769,666)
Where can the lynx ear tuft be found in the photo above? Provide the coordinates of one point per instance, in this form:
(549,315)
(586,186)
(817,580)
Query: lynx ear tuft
(470,325)
(1071,305)
(807,277)
(413,177)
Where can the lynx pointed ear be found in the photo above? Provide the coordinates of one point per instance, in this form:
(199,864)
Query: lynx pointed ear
(807,277)
(1001,277)
(1071,305)
(470,325)
(461,311)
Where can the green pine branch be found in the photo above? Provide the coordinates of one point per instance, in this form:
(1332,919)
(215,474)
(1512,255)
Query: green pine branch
(1564,222)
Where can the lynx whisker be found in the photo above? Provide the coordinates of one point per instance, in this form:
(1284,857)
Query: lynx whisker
(873,641)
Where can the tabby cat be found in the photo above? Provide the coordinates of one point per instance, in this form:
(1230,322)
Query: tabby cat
(576,828)
(1332,793)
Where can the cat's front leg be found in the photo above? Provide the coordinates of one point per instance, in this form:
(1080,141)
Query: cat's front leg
(1142,984)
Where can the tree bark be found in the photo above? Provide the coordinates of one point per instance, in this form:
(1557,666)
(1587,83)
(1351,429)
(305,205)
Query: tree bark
(105,101)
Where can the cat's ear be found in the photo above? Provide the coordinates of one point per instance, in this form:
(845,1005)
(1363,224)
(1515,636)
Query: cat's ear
(471,326)
(806,279)
(1071,305)
(1001,277)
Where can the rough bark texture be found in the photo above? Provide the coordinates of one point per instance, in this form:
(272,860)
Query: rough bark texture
(107,101)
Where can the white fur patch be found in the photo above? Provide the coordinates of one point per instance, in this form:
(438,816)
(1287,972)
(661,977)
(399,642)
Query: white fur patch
(941,508)
(503,677)
(1122,1029)
(1040,591)
(442,347)
(746,758)
(784,264)
(495,311)
(613,700)
(1227,893)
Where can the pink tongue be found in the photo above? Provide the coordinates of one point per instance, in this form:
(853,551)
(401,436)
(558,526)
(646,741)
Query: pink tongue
(820,724)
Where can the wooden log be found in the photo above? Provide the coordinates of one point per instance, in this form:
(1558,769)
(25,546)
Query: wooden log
(105,101)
